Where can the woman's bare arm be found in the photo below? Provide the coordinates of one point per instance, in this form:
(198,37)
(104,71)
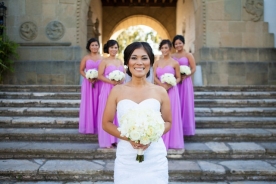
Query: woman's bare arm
(166,109)
(192,63)
(177,71)
(109,113)
(82,66)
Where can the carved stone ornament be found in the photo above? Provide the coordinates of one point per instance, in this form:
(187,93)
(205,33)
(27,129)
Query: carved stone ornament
(55,30)
(255,8)
(28,31)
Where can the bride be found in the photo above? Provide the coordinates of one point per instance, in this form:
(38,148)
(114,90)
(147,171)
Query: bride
(138,92)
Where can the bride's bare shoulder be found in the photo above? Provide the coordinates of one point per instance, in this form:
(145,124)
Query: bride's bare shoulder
(158,89)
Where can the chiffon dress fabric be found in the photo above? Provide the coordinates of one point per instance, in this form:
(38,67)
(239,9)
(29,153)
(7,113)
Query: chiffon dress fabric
(104,138)
(174,138)
(186,95)
(89,102)
(154,168)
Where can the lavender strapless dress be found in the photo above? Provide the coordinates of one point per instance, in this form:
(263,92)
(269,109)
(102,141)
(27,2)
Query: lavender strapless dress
(105,139)
(174,138)
(89,102)
(186,95)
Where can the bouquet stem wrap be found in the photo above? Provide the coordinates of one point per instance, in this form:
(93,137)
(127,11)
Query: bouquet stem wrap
(140,155)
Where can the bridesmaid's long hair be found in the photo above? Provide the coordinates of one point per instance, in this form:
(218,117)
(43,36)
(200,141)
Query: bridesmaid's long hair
(108,44)
(136,45)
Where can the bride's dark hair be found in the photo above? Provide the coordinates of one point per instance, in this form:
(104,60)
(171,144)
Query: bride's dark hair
(136,45)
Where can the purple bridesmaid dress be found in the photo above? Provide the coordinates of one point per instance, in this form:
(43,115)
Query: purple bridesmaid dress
(89,102)
(186,95)
(174,138)
(104,138)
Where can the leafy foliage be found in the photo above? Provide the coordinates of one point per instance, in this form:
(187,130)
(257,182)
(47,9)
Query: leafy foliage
(137,34)
(8,52)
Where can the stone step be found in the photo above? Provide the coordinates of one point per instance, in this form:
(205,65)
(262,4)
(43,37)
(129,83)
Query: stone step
(39,103)
(198,103)
(72,134)
(235,122)
(235,103)
(111,182)
(40,122)
(80,150)
(234,95)
(77,88)
(197,94)
(40,95)
(73,122)
(95,170)
(40,88)
(199,111)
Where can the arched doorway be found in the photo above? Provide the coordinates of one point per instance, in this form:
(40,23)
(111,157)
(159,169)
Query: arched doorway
(139,20)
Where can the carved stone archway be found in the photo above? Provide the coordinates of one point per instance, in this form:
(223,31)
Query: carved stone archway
(139,20)
(115,18)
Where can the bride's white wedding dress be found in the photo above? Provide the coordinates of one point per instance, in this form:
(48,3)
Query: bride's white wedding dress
(154,168)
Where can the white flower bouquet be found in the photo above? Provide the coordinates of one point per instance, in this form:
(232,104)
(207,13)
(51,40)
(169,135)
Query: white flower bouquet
(142,126)
(91,74)
(116,75)
(168,78)
(185,70)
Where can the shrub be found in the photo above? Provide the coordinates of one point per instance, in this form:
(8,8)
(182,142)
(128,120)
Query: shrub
(8,52)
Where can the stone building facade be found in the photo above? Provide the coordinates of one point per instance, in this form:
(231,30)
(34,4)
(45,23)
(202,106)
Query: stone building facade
(229,38)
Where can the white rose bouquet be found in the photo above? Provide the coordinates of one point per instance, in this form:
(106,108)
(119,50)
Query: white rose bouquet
(116,75)
(168,78)
(142,126)
(185,70)
(91,74)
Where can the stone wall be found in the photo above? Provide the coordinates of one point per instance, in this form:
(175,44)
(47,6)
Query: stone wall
(230,39)
(57,65)
(237,23)
(236,48)
(52,35)
(238,66)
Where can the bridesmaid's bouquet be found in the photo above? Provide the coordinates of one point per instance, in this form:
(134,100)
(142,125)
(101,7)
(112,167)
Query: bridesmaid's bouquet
(116,75)
(185,70)
(168,78)
(91,74)
(142,126)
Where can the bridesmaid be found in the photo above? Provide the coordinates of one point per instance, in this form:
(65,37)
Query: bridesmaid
(185,87)
(89,95)
(174,138)
(108,65)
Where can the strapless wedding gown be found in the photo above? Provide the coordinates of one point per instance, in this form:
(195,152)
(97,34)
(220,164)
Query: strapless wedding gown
(154,168)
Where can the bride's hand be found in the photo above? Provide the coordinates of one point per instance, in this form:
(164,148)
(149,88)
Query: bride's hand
(139,146)
(144,147)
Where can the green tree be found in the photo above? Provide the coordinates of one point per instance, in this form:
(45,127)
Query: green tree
(8,52)
(137,34)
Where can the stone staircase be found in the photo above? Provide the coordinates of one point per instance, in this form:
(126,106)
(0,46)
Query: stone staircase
(235,139)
